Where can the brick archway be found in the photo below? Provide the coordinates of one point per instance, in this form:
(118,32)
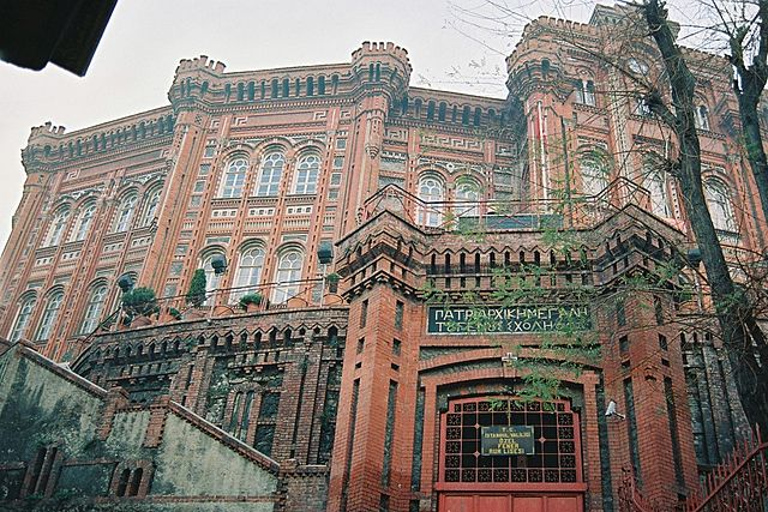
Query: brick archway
(547,480)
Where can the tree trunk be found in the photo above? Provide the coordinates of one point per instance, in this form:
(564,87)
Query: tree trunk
(750,125)
(733,308)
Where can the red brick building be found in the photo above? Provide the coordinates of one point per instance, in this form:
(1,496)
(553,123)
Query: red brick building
(370,398)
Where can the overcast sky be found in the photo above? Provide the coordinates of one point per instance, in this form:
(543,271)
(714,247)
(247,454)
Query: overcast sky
(145,39)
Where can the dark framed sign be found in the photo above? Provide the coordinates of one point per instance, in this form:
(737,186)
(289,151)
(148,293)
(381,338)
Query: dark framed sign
(503,440)
(508,319)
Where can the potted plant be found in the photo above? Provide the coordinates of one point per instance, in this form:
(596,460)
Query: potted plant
(175,313)
(141,303)
(250,301)
(333,282)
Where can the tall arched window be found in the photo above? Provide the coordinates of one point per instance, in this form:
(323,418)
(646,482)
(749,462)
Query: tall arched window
(288,275)
(271,173)
(58,225)
(125,213)
(51,311)
(234,178)
(212,279)
(22,317)
(702,117)
(585,92)
(306,175)
(467,195)
(430,190)
(84,221)
(93,309)
(593,177)
(656,184)
(248,272)
(720,206)
(151,204)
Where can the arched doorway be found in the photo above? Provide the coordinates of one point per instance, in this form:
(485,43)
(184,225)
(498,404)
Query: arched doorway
(500,454)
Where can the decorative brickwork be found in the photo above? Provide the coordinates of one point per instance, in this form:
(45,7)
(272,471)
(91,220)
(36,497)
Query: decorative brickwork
(321,203)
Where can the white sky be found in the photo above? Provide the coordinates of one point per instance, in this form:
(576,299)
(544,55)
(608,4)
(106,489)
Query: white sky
(145,39)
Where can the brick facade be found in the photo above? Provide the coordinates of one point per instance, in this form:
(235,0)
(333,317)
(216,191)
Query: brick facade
(348,391)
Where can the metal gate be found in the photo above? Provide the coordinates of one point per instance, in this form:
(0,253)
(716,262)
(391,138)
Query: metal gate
(548,479)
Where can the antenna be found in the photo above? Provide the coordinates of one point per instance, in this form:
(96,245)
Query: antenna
(611,410)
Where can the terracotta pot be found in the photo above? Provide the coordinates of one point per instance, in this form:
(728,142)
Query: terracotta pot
(141,321)
(332,299)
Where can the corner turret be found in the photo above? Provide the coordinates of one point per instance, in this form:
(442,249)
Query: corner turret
(382,65)
(195,80)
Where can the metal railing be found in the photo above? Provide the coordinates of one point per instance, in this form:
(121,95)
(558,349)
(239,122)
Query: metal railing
(574,211)
(738,484)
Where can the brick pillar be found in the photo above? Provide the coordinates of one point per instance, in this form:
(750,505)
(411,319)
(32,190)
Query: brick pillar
(382,370)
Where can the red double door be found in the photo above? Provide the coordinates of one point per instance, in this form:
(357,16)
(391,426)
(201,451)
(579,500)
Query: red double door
(494,502)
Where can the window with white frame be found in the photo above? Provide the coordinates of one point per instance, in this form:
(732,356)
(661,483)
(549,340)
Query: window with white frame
(288,275)
(720,206)
(467,197)
(150,207)
(93,309)
(585,92)
(656,184)
(50,312)
(642,108)
(593,177)
(84,221)
(234,178)
(58,225)
(431,190)
(22,318)
(212,279)
(270,175)
(306,175)
(702,117)
(248,273)
(125,213)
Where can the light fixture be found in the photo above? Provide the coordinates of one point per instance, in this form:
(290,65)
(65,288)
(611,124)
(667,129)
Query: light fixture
(125,283)
(219,264)
(611,411)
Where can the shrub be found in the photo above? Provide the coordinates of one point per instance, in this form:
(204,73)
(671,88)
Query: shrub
(175,313)
(140,301)
(196,293)
(250,298)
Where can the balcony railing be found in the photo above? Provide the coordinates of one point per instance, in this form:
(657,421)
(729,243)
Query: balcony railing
(495,215)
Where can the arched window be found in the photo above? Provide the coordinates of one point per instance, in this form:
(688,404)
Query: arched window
(288,275)
(720,206)
(593,177)
(212,279)
(306,175)
(93,309)
(656,184)
(22,317)
(467,195)
(51,311)
(430,190)
(271,173)
(585,92)
(84,221)
(248,272)
(125,213)
(151,204)
(702,117)
(58,225)
(234,178)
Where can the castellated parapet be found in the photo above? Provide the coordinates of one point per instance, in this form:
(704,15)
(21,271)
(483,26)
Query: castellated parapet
(382,63)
